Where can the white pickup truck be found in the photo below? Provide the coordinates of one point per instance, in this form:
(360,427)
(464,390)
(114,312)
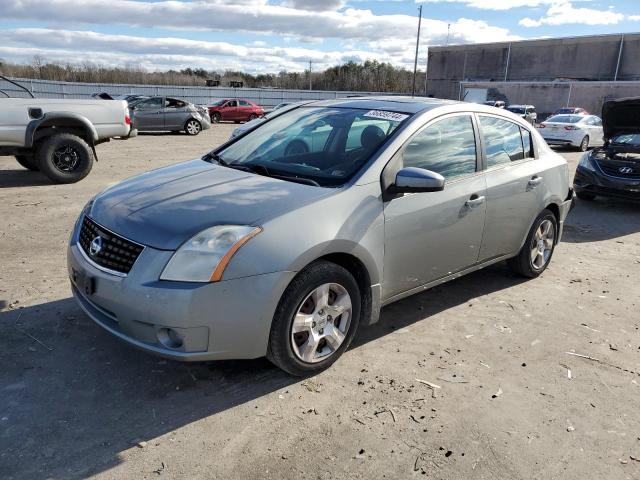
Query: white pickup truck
(58,137)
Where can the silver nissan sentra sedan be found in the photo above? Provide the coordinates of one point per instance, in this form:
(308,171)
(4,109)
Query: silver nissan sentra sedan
(284,240)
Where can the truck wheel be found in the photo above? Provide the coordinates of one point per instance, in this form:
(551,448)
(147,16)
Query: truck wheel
(28,162)
(65,158)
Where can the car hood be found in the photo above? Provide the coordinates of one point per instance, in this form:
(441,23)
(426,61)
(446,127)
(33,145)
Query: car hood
(166,207)
(621,116)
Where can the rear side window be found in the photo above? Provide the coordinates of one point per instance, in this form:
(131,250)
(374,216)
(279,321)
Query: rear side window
(504,141)
(447,147)
(244,103)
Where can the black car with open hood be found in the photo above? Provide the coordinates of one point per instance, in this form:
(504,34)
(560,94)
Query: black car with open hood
(614,169)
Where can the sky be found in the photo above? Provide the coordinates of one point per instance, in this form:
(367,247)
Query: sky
(268,36)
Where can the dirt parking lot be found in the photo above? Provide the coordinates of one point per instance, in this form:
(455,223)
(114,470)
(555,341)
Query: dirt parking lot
(76,402)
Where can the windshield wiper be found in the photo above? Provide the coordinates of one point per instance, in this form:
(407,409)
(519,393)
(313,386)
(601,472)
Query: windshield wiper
(304,181)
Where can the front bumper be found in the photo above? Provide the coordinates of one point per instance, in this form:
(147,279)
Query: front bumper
(597,183)
(182,321)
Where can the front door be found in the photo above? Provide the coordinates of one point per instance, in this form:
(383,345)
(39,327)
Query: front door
(429,236)
(149,114)
(230,110)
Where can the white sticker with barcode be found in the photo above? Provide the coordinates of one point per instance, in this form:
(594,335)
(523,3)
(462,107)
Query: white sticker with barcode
(383,115)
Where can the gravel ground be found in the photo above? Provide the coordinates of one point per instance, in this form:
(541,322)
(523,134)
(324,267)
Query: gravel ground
(77,403)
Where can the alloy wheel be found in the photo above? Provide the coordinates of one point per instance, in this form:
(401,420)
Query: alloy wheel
(321,323)
(66,158)
(193,127)
(542,244)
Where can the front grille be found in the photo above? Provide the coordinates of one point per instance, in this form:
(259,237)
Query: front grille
(613,169)
(116,253)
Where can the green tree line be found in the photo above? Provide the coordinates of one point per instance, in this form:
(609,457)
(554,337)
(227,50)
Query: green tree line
(370,75)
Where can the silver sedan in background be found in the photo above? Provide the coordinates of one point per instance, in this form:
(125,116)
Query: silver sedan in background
(161,114)
(283,241)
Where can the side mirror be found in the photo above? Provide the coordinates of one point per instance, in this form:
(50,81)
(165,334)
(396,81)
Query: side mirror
(413,180)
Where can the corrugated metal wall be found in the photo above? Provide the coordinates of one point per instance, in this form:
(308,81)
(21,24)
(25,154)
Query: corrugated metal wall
(198,95)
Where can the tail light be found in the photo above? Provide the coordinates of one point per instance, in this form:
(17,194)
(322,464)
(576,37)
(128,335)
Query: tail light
(127,119)
(570,127)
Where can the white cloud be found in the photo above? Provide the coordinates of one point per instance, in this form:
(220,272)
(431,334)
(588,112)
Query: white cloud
(261,18)
(495,4)
(565,13)
(634,18)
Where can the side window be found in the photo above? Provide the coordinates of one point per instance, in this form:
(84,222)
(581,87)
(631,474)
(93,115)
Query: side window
(526,142)
(244,103)
(232,103)
(151,104)
(503,141)
(597,121)
(447,147)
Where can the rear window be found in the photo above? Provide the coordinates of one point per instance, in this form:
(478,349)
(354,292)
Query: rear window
(516,110)
(565,118)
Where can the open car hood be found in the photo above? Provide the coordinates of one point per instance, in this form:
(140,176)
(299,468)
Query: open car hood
(621,116)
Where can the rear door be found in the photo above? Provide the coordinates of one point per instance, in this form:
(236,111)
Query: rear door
(429,236)
(149,114)
(175,114)
(515,185)
(245,110)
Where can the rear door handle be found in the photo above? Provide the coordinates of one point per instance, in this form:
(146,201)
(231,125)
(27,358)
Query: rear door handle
(535,181)
(474,201)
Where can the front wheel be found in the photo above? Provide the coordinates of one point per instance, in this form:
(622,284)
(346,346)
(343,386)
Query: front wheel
(316,319)
(65,158)
(193,127)
(584,144)
(216,118)
(28,162)
(535,255)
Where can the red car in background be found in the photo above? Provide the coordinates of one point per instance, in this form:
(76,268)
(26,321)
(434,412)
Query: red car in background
(235,110)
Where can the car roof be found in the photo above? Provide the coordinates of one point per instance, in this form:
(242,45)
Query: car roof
(521,106)
(398,104)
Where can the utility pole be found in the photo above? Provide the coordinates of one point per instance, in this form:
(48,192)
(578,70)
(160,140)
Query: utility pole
(415,63)
(448,32)
(309,74)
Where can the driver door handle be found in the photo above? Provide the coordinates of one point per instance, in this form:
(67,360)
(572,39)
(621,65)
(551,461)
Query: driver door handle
(475,201)
(535,181)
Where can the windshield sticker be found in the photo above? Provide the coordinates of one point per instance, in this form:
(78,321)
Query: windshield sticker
(381,114)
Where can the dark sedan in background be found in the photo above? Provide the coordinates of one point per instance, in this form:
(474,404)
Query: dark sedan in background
(614,169)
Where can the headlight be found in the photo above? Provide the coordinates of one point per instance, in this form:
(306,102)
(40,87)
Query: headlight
(205,256)
(585,162)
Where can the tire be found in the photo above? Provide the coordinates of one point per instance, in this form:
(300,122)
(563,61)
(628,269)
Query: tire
(28,162)
(313,345)
(524,263)
(253,116)
(589,197)
(64,158)
(216,118)
(584,144)
(193,127)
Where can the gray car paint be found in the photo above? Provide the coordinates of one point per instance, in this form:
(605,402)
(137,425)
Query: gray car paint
(406,243)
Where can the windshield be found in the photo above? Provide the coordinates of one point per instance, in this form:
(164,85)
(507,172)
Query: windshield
(565,119)
(627,139)
(519,110)
(322,145)
(566,110)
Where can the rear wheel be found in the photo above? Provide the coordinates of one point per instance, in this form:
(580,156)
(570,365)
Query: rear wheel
(65,158)
(28,162)
(316,319)
(584,144)
(536,253)
(192,127)
(253,116)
